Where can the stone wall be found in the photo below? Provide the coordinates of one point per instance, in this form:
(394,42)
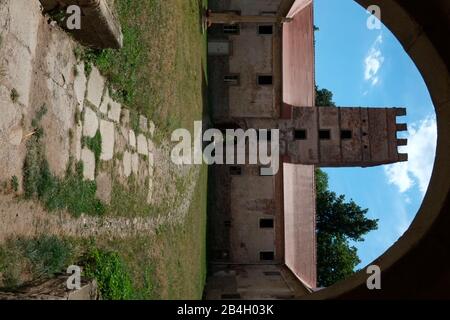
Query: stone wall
(54,289)
(100,28)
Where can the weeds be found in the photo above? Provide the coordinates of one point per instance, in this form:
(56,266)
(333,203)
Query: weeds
(111,274)
(14,95)
(22,260)
(72,192)
(48,254)
(94,144)
(15,183)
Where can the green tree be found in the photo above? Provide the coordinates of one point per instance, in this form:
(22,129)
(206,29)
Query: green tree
(324,98)
(337,222)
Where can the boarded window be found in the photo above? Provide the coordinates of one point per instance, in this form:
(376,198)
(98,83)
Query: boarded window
(231,28)
(265,80)
(346,134)
(266,223)
(265,29)
(300,134)
(266,255)
(231,79)
(324,134)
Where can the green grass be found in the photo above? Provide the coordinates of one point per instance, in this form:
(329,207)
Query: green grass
(23,260)
(14,183)
(110,272)
(94,144)
(172,263)
(160,73)
(14,95)
(71,192)
(161,68)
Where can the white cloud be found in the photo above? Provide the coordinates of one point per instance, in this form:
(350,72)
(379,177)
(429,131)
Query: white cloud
(373,62)
(421,152)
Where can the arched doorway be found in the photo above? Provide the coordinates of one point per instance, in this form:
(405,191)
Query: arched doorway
(416,265)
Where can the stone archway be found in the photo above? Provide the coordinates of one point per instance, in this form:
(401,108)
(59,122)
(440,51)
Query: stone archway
(417,265)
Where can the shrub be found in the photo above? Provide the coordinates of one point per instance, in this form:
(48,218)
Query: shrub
(110,272)
(48,254)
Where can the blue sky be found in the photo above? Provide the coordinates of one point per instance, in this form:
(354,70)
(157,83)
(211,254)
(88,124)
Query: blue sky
(365,67)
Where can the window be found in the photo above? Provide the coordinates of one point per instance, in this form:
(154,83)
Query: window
(231,28)
(227,223)
(346,134)
(232,79)
(266,223)
(235,171)
(266,255)
(324,135)
(265,80)
(300,134)
(267,29)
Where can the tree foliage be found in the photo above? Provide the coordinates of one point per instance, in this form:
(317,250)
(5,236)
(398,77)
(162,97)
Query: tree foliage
(324,98)
(338,222)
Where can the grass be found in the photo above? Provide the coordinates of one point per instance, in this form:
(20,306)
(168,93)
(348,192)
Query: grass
(160,73)
(72,192)
(14,95)
(23,260)
(94,144)
(15,183)
(172,263)
(161,68)
(110,272)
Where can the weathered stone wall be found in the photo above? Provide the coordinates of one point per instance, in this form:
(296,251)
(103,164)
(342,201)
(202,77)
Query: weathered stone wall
(353,136)
(100,28)
(357,137)
(54,289)
(251,55)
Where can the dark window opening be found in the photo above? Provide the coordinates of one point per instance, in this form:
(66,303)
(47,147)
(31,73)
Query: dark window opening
(231,28)
(266,223)
(324,134)
(265,80)
(227,223)
(346,134)
(235,171)
(300,135)
(232,79)
(268,29)
(266,255)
